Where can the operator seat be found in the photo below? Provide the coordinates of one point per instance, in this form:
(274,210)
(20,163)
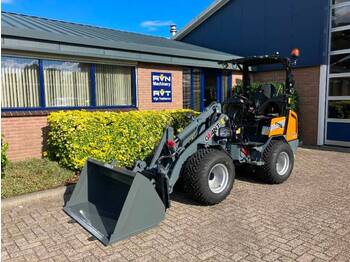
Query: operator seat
(269,90)
(265,100)
(233,107)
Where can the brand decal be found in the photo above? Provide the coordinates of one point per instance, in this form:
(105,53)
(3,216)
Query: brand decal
(161,87)
(278,125)
(214,130)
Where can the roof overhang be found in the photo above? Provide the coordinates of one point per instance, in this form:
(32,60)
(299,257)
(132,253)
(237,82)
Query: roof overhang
(12,46)
(213,8)
(120,45)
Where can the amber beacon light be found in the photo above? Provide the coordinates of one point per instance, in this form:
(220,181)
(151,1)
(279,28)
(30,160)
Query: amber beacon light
(295,52)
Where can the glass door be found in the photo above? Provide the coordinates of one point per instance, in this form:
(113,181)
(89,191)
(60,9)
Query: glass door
(210,87)
(203,86)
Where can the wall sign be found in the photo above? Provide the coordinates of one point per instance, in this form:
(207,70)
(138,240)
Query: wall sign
(161,87)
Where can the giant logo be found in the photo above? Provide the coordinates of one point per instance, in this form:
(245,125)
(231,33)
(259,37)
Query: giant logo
(161,87)
(214,130)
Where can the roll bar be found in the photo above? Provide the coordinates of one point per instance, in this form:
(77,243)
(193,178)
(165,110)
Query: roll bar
(245,64)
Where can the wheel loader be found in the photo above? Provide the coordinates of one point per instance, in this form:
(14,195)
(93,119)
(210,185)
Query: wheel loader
(252,128)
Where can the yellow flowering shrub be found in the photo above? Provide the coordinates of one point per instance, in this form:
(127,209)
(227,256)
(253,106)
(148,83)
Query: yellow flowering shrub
(126,137)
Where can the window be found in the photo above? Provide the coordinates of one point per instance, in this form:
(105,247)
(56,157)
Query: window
(339,109)
(340,63)
(29,84)
(339,1)
(197,93)
(67,84)
(340,40)
(339,86)
(186,88)
(341,16)
(19,82)
(226,85)
(113,85)
(338,99)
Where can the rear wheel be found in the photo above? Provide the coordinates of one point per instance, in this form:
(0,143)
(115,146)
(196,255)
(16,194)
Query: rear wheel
(279,162)
(208,176)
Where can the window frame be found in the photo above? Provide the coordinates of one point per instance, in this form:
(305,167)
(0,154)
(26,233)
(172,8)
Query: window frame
(327,119)
(92,87)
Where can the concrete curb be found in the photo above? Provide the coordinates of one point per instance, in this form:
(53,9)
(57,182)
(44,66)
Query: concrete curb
(56,193)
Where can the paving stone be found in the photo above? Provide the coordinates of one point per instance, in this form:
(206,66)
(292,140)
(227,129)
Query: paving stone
(305,219)
(306,258)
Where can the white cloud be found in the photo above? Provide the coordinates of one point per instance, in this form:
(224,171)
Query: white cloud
(153,25)
(9,62)
(6,1)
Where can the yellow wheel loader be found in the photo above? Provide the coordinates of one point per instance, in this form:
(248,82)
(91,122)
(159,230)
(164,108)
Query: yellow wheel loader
(257,129)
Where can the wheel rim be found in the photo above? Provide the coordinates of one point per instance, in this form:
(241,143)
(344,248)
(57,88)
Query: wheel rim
(218,178)
(282,163)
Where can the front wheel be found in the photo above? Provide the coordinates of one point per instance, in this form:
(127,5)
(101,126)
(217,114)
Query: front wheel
(208,176)
(279,161)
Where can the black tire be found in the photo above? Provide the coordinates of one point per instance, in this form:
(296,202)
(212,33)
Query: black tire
(179,185)
(196,175)
(269,171)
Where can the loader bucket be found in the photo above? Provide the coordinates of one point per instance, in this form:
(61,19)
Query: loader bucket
(113,203)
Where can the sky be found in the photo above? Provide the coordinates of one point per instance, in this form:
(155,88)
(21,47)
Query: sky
(142,16)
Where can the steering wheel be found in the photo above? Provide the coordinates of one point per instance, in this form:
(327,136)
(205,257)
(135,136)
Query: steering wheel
(245,99)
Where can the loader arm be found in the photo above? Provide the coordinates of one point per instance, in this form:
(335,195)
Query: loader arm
(204,139)
(197,126)
(185,144)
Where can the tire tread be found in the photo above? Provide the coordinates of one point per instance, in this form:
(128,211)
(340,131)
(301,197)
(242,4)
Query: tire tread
(191,177)
(267,170)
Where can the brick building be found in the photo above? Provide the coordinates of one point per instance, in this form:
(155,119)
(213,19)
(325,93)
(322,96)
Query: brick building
(320,28)
(50,65)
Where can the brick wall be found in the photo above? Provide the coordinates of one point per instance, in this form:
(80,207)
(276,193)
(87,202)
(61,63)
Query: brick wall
(307,86)
(24,136)
(144,87)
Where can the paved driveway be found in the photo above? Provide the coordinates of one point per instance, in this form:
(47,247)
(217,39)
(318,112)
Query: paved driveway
(305,219)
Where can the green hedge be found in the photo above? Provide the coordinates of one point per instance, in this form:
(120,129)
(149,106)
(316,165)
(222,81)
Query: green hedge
(127,136)
(4,159)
